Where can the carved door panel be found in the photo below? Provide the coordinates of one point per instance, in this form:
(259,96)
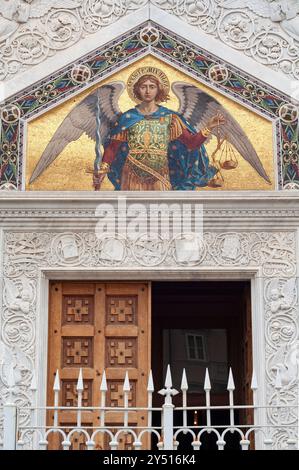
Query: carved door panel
(97,326)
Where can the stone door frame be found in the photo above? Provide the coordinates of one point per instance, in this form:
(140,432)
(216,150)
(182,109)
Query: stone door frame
(267,258)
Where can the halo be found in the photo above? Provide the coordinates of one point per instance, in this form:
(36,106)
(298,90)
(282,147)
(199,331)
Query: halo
(134,77)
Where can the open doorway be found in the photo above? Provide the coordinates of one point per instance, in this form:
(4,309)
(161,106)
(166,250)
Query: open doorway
(199,325)
(120,326)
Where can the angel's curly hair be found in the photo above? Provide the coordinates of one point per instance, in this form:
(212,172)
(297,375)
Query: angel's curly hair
(162,94)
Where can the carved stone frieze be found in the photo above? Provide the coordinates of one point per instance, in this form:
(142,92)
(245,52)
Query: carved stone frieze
(271,254)
(33,30)
(265,30)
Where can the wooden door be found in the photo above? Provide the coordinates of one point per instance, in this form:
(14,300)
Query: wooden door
(97,326)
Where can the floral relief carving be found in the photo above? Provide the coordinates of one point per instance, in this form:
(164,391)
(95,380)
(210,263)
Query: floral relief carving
(33,30)
(25,254)
(281,294)
(19,295)
(15,378)
(265,30)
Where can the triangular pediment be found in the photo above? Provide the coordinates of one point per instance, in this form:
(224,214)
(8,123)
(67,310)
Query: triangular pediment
(38,37)
(195,62)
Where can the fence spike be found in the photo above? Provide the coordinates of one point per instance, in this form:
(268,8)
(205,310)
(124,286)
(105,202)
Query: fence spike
(126,387)
(231,383)
(80,386)
(103,387)
(168,379)
(254,385)
(56,386)
(207,387)
(150,383)
(207,384)
(278,384)
(56,389)
(184,383)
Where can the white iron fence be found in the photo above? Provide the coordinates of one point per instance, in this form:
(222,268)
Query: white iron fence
(197,426)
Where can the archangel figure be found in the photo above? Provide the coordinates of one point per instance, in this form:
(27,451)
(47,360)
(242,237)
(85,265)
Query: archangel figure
(150,147)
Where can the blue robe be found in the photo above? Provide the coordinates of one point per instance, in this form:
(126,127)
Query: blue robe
(187,168)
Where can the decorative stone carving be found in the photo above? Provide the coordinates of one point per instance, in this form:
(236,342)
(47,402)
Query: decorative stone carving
(149,250)
(279,11)
(231,247)
(189,249)
(265,30)
(15,377)
(282,294)
(33,30)
(286,361)
(15,366)
(113,249)
(19,295)
(274,253)
(68,249)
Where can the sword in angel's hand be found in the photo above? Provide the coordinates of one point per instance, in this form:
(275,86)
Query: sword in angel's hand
(93,116)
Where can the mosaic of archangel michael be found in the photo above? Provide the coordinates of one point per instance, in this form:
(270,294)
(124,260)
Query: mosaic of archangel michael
(150,146)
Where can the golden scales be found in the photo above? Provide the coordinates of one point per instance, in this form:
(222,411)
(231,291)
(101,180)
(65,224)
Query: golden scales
(223,158)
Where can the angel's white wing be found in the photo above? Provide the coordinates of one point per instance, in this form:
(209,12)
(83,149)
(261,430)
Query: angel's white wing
(260,7)
(6,356)
(11,291)
(83,119)
(7,9)
(273,285)
(22,360)
(288,291)
(27,287)
(279,357)
(41,7)
(199,107)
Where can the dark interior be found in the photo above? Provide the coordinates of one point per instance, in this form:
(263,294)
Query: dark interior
(197,325)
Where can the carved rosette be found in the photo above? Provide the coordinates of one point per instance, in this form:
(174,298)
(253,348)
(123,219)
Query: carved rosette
(25,254)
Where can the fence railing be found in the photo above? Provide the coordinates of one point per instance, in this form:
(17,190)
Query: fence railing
(168,427)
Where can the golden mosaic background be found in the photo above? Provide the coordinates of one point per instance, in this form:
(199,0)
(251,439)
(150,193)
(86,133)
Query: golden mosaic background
(72,169)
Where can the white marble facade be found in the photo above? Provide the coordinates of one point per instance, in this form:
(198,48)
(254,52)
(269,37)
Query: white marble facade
(245,237)
(32,31)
